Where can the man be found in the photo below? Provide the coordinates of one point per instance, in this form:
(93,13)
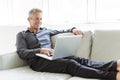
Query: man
(37,40)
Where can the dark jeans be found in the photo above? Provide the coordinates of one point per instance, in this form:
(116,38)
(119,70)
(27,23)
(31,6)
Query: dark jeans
(76,66)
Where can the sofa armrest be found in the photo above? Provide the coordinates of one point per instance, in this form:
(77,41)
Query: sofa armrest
(10,60)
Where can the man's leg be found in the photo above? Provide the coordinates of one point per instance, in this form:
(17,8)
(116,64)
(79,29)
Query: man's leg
(106,66)
(76,69)
(71,66)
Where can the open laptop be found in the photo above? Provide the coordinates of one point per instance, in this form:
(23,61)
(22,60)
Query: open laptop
(65,46)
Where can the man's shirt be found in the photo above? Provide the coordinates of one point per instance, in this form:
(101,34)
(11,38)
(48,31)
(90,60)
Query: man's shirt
(29,43)
(43,35)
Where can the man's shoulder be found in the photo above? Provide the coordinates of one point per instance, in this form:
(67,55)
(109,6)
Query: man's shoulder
(24,31)
(21,32)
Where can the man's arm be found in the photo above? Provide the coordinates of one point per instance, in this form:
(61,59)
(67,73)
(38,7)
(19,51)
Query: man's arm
(22,50)
(72,30)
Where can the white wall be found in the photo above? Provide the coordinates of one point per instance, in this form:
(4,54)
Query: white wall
(8,38)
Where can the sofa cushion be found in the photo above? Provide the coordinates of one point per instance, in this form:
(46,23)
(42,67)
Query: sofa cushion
(106,45)
(85,45)
(10,60)
(25,73)
(84,49)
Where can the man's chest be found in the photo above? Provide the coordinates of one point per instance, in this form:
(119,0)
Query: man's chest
(31,40)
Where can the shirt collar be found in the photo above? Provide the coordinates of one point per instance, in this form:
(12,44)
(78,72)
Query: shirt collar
(28,30)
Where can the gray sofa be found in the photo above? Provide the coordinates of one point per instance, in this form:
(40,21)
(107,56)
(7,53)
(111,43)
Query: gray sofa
(100,45)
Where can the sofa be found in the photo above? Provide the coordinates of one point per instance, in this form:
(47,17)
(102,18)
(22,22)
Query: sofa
(100,45)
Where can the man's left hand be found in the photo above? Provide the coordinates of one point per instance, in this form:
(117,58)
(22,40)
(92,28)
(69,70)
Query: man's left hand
(77,32)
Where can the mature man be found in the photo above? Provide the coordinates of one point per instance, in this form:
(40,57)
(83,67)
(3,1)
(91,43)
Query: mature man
(37,40)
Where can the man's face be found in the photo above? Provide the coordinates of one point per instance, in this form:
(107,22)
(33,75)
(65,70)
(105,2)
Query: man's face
(35,20)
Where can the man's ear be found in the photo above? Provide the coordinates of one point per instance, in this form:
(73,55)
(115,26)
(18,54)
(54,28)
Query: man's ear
(28,18)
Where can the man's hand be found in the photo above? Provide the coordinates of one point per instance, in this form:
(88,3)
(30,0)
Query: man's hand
(47,51)
(77,32)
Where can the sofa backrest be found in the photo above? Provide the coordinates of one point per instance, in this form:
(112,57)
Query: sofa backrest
(85,45)
(106,45)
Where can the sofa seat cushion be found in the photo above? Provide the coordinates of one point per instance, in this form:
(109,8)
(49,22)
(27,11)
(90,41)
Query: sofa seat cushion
(25,73)
(78,78)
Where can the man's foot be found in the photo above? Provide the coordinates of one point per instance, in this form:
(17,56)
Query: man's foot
(118,65)
(118,76)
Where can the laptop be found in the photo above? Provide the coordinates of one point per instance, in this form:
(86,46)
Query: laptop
(65,46)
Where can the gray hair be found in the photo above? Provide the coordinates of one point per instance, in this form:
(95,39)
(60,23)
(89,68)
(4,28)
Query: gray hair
(33,11)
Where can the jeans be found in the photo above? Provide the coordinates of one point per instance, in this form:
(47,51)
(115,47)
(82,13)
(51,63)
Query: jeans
(80,67)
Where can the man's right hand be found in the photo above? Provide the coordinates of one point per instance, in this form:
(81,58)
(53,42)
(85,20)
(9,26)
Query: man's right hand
(46,51)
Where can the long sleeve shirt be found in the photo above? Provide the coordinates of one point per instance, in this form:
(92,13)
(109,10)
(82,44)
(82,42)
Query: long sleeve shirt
(29,43)
(44,34)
